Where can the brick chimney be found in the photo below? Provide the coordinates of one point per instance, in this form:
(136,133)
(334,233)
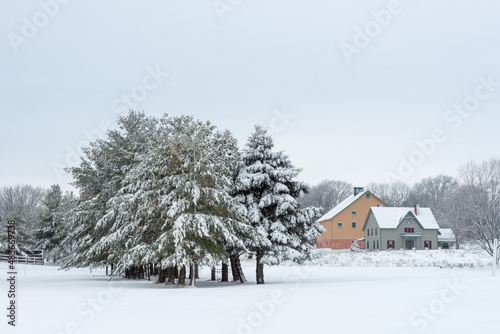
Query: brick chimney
(417,209)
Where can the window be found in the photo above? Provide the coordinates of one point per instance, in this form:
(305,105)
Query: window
(377,244)
(375,231)
(390,244)
(354,213)
(428,244)
(367,196)
(353,224)
(409,230)
(367,245)
(368,230)
(372,231)
(339,225)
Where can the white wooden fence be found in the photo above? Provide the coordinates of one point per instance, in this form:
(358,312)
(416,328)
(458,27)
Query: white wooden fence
(35,257)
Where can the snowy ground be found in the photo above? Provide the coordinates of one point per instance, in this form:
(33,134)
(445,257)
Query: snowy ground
(296,299)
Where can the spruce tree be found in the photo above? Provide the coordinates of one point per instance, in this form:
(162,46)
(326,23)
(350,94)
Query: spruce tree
(267,188)
(49,230)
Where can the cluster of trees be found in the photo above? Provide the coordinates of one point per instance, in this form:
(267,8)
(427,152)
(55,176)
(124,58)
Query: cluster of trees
(39,215)
(469,204)
(174,192)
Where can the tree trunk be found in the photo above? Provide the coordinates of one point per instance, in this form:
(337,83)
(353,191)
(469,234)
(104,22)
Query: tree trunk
(112,268)
(260,268)
(192,275)
(131,271)
(213,276)
(225,272)
(182,276)
(162,273)
(243,279)
(196,272)
(141,272)
(170,275)
(234,271)
(107,270)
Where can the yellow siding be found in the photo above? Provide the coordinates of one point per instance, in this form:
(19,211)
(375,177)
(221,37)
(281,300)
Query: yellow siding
(361,206)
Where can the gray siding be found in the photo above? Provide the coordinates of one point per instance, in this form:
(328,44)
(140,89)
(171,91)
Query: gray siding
(383,235)
(395,234)
(371,240)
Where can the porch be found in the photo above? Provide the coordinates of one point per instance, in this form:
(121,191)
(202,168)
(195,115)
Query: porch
(411,240)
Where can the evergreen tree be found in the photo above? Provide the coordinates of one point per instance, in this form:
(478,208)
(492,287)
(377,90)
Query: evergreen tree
(48,233)
(98,178)
(267,188)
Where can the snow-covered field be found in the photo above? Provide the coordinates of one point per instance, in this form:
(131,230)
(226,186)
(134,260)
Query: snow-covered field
(316,298)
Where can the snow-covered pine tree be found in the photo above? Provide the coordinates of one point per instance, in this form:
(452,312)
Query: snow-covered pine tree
(267,188)
(203,215)
(98,178)
(48,233)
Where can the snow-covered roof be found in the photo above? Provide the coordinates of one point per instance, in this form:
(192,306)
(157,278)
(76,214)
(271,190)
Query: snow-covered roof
(392,217)
(446,234)
(341,206)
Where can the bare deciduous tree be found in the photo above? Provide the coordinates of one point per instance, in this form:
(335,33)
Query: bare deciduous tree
(392,194)
(435,193)
(326,195)
(481,197)
(21,203)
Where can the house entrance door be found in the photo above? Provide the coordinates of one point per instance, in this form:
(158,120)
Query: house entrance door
(410,244)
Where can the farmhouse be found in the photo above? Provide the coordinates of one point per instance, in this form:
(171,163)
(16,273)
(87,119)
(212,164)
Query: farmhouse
(343,223)
(397,228)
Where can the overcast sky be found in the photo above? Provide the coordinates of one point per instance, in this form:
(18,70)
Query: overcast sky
(347,87)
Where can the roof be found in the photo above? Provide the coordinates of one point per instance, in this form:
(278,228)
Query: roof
(341,206)
(446,234)
(390,218)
